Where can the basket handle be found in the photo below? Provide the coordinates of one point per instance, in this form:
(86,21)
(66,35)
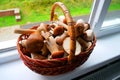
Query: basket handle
(71,30)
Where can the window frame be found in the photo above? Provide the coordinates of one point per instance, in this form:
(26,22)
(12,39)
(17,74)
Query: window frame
(97,16)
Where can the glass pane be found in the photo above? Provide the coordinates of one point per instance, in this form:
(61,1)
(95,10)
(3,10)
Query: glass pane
(113,15)
(35,11)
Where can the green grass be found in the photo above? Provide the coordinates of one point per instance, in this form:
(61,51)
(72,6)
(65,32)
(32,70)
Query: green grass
(39,10)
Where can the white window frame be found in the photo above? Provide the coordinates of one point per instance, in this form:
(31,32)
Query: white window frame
(98,13)
(97,16)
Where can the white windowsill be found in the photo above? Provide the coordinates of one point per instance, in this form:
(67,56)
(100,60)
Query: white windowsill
(107,50)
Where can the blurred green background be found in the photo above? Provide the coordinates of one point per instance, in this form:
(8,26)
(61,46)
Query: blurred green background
(39,10)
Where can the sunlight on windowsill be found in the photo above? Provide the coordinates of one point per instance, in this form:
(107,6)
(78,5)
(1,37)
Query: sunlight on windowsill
(112,22)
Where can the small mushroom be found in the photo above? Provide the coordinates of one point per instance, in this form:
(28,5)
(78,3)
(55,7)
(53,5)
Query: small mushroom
(60,39)
(79,29)
(66,44)
(52,46)
(58,30)
(88,35)
(84,44)
(82,28)
(85,24)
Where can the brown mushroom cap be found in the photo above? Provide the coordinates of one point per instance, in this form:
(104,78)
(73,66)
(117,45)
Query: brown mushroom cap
(58,54)
(58,30)
(34,42)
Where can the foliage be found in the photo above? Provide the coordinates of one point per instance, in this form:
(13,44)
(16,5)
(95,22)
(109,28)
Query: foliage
(39,10)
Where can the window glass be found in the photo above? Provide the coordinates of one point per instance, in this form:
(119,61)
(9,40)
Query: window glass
(113,15)
(34,11)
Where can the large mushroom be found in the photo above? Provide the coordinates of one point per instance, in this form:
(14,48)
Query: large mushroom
(34,43)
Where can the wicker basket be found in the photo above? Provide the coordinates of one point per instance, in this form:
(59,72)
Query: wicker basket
(58,65)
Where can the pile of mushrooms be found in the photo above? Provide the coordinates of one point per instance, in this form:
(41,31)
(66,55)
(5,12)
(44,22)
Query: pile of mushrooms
(53,41)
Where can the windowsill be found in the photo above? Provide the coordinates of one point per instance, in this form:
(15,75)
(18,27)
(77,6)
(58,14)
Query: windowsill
(106,51)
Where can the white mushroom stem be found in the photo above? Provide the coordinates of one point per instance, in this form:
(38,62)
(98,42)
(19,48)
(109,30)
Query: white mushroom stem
(24,31)
(88,35)
(84,44)
(66,44)
(53,47)
(60,39)
(42,27)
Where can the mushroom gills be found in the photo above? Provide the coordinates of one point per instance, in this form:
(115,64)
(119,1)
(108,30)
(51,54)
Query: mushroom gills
(66,46)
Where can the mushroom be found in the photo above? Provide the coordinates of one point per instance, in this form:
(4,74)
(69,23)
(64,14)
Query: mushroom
(37,56)
(35,42)
(84,44)
(82,28)
(24,31)
(60,39)
(79,29)
(85,24)
(66,44)
(58,30)
(88,35)
(52,46)
(42,27)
